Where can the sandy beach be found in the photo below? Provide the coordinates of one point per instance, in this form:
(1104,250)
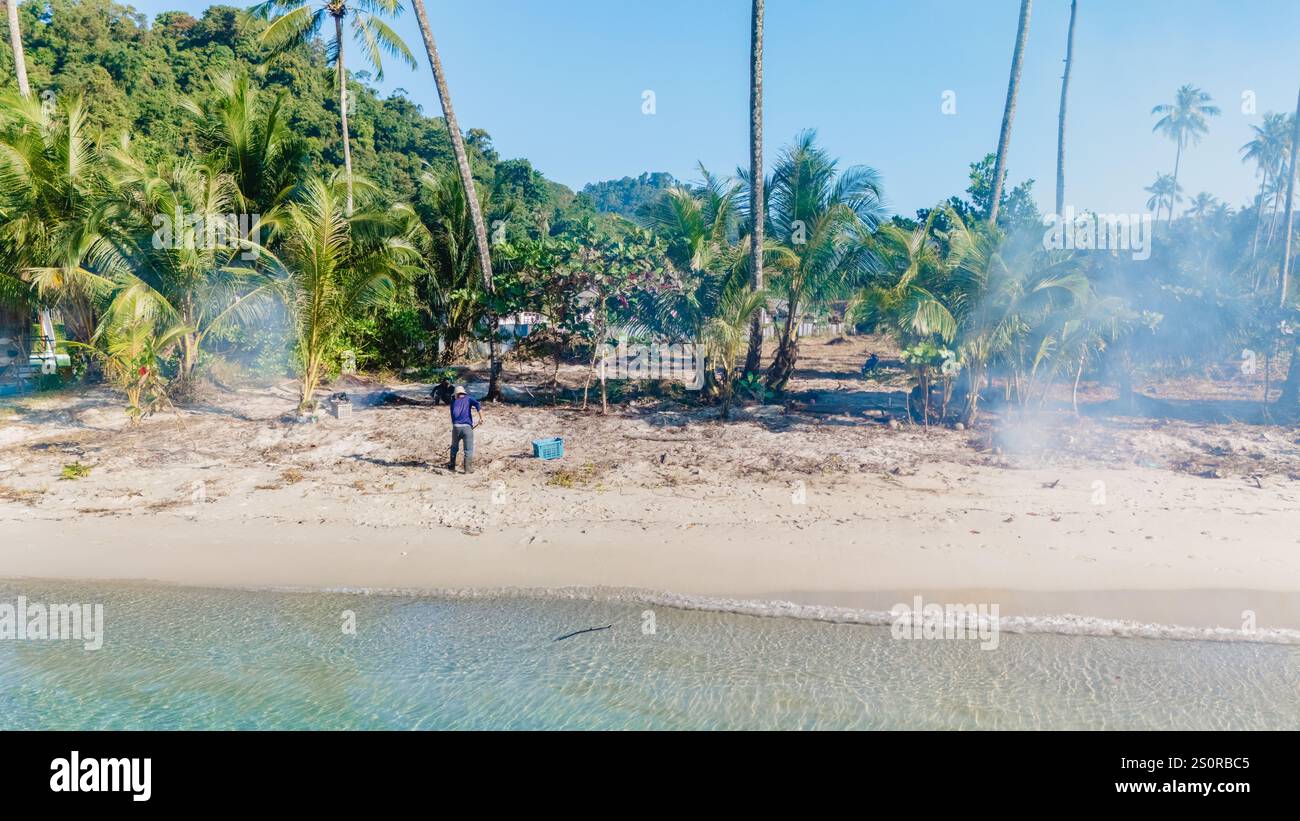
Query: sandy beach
(818,502)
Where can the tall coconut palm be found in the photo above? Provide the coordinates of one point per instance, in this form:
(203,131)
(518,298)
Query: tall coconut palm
(1291,389)
(1185,121)
(294,22)
(1165,192)
(754,355)
(467,181)
(1060,121)
(16,43)
(333,265)
(1284,275)
(1009,111)
(823,219)
(1268,150)
(1202,205)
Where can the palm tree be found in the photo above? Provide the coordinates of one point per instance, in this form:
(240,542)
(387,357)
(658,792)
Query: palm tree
(1203,204)
(249,139)
(25,89)
(1060,123)
(294,22)
(1165,191)
(133,340)
(448,288)
(201,275)
(1014,303)
(754,355)
(16,42)
(915,301)
(52,185)
(1291,389)
(1284,276)
(693,224)
(1184,121)
(467,181)
(1009,112)
(334,264)
(909,299)
(1091,325)
(823,219)
(1268,149)
(724,335)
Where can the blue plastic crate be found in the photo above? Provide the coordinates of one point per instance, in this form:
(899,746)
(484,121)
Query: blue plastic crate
(548,448)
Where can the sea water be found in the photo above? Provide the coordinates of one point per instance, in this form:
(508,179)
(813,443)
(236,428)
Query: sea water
(194,658)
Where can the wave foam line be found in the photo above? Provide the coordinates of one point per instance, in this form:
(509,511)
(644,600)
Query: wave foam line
(1066,624)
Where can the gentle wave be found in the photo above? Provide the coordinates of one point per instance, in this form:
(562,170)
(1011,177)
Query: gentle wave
(1065,624)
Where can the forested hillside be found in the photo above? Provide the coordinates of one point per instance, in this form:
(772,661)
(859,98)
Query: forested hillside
(134,77)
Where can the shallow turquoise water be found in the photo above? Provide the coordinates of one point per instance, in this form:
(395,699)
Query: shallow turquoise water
(179,658)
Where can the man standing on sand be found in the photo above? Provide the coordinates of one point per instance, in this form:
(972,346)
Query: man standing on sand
(462,427)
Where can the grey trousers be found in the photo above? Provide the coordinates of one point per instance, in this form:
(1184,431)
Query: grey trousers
(462,433)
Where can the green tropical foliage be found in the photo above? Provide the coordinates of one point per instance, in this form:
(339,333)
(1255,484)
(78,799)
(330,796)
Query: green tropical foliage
(333,264)
(223,187)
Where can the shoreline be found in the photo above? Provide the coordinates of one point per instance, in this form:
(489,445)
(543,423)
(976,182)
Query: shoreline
(691,574)
(1018,622)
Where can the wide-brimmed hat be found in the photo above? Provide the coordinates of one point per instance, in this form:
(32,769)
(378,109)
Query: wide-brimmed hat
(460,390)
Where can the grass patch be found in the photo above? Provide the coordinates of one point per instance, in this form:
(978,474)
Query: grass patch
(13,494)
(568,478)
(74,471)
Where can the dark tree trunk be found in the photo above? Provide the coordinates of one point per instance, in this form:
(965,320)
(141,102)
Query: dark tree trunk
(753,356)
(1009,112)
(343,107)
(787,352)
(1060,122)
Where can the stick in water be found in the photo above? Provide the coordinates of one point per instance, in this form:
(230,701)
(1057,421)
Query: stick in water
(580,632)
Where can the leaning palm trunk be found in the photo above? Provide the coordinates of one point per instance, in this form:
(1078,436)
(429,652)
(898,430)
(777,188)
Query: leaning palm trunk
(754,355)
(471,195)
(1009,112)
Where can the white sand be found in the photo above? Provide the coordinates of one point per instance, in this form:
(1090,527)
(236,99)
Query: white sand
(822,510)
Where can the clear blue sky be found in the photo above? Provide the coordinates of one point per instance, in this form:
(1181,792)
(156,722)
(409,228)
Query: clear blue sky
(561,83)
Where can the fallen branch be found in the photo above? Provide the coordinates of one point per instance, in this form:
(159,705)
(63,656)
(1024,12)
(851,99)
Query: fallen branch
(580,632)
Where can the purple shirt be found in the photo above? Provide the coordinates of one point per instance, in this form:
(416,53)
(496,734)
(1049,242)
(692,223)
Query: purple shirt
(460,406)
